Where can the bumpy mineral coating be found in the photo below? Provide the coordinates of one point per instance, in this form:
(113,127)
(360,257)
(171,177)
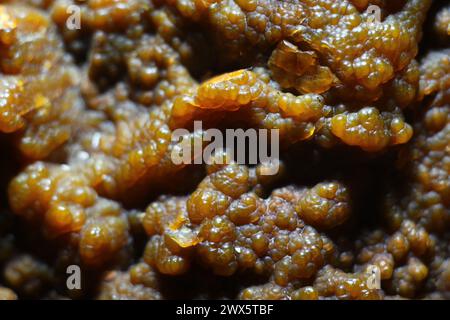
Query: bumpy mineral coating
(399,257)
(297,117)
(33,61)
(330,283)
(228,227)
(138,283)
(293,68)
(27,275)
(255,102)
(64,203)
(88,115)
(107,158)
(427,198)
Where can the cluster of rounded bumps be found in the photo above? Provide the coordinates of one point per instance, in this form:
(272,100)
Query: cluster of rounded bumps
(87,116)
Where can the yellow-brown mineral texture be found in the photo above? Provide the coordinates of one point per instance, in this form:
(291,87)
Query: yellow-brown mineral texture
(115,123)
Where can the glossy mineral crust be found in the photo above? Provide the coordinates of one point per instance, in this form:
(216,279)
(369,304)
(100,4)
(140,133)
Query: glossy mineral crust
(359,91)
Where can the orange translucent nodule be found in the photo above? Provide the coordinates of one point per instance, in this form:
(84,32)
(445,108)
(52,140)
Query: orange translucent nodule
(229,91)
